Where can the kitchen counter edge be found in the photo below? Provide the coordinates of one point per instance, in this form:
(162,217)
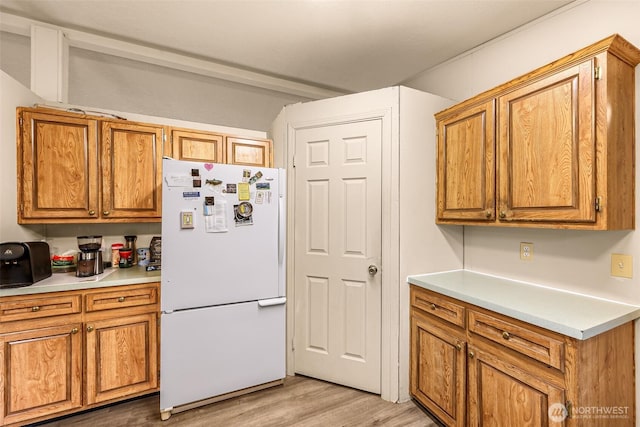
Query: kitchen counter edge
(575,315)
(111,277)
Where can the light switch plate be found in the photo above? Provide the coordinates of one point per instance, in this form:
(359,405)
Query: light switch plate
(622,265)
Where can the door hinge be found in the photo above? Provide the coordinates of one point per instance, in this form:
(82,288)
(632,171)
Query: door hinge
(597,204)
(597,72)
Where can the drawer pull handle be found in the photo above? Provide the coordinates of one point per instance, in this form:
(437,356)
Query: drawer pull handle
(89,328)
(74,331)
(506,335)
(121,299)
(433,306)
(458,346)
(35,308)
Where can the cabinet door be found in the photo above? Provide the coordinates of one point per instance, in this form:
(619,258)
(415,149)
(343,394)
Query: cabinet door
(249,152)
(121,357)
(57,167)
(501,394)
(41,372)
(466,164)
(438,370)
(131,170)
(198,146)
(546,149)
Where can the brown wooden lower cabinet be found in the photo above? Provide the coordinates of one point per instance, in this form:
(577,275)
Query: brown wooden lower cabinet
(474,367)
(65,352)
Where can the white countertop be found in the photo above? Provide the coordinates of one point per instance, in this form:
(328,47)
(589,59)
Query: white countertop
(68,281)
(575,315)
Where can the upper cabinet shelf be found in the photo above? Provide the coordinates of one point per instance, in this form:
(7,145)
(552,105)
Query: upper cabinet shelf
(554,148)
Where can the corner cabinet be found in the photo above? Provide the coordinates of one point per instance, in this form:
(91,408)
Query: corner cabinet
(74,168)
(554,148)
(65,352)
(474,367)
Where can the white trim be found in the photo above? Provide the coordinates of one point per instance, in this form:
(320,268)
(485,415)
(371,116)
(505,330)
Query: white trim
(83,40)
(49,63)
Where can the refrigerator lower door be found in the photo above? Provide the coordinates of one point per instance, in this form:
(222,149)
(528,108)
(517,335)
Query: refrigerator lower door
(210,351)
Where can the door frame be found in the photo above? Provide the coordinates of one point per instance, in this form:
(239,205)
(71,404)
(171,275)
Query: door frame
(383,108)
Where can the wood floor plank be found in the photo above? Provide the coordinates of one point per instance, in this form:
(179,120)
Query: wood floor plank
(300,402)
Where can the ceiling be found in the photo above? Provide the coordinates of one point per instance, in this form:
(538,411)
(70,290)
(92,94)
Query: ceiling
(347,45)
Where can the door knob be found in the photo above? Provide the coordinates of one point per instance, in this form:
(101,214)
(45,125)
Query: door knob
(373,270)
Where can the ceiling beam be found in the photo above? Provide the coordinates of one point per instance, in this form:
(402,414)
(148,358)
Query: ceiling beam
(137,52)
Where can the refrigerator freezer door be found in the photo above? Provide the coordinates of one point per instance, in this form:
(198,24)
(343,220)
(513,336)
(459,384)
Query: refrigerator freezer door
(202,268)
(215,350)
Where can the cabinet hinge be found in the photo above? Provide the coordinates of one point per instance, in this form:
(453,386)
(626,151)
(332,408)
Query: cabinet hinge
(568,407)
(597,72)
(597,204)
(20,121)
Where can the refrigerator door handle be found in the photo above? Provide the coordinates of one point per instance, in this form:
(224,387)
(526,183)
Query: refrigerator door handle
(272,301)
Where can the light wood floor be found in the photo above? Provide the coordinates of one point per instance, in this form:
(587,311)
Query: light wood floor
(301,401)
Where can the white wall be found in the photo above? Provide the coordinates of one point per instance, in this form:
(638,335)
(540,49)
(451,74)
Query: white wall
(12,95)
(573,260)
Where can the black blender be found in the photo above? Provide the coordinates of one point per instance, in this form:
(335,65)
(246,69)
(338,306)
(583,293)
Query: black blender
(90,256)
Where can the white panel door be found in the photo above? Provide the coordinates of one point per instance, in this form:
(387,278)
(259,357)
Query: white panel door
(338,236)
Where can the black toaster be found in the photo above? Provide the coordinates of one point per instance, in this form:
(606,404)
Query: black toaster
(23,264)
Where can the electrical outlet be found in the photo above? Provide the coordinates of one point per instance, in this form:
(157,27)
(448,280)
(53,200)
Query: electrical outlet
(526,251)
(622,265)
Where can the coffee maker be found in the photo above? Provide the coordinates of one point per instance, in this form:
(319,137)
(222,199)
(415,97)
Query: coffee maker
(90,256)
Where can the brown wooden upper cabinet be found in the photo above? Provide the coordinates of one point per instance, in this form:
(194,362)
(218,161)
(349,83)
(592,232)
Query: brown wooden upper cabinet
(74,168)
(554,148)
(249,152)
(202,146)
(198,146)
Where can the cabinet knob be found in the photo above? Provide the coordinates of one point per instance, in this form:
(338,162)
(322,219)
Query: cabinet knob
(433,306)
(503,214)
(74,331)
(92,212)
(35,308)
(105,213)
(506,335)
(488,213)
(471,354)
(89,328)
(458,346)
(121,299)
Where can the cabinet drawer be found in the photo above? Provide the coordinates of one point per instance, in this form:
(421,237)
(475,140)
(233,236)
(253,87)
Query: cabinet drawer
(36,308)
(543,348)
(121,299)
(439,307)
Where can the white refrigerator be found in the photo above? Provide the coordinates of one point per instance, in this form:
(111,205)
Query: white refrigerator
(223,281)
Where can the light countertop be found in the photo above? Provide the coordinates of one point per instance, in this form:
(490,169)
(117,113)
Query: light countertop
(68,281)
(575,315)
